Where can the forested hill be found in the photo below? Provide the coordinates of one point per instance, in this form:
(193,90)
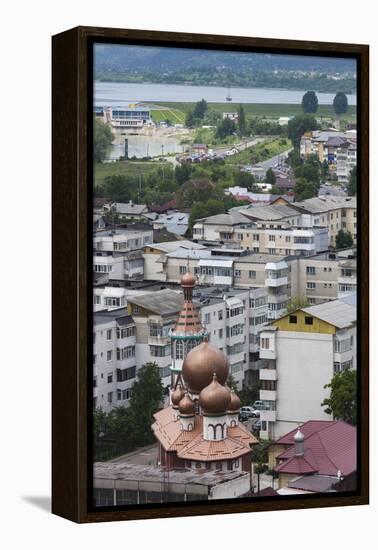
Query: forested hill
(182,66)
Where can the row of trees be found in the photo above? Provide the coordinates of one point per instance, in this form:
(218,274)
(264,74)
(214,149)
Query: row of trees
(310,103)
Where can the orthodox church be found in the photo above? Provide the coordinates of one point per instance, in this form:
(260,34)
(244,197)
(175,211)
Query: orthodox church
(200,429)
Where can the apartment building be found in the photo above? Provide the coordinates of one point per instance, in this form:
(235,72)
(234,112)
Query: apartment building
(117,253)
(335,213)
(299,354)
(154,257)
(324,276)
(126,338)
(338,149)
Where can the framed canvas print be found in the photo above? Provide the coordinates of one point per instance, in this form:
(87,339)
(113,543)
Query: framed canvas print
(210,274)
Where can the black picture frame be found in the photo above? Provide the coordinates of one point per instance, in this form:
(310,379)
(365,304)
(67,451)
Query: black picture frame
(72,274)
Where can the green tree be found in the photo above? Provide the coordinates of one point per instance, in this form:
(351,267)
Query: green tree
(244,179)
(304,189)
(309,171)
(352,183)
(242,125)
(146,398)
(200,109)
(195,190)
(183,173)
(340,103)
(325,170)
(344,239)
(119,188)
(298,125)
(270,176)
(232,384)
(296,302)
(294,158)
(310,102)
(225,128)
(190,120)
(102,139)
(342,402)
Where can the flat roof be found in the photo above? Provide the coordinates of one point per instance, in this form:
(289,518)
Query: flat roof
(125,471)
(104,316)
(163,302)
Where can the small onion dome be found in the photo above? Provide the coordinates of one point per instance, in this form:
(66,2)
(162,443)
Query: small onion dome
(200,364)
(188,280)
(299,437)
(215,398)
(177,395)
(234,405)
(186,405)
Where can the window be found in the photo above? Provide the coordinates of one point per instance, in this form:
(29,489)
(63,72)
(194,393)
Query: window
(110,397)
(309,320)
(239,236)
(287,239)
(220,315)
(160,351)
(97,300)
(237,273)
(220,333)
(125,332)
(310,285)
(109,355)
(206,319)
(94,359)
(293,319)
(264,343)
(110,377)
(272,237)
(310,270)
(183,269)
(109,334)
(179,349)
(125,353)
(126,374)
(252,274)
(256,249)
(256,237)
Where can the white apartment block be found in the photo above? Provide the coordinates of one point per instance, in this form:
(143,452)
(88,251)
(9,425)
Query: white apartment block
(126,338)
(299,355)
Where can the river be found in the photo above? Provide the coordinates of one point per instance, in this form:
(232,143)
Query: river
(110,94)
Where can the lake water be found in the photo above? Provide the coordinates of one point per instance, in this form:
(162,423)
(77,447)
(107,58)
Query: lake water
(110,94)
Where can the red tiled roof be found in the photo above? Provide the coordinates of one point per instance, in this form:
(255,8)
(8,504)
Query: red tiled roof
(329,446)
(192,446)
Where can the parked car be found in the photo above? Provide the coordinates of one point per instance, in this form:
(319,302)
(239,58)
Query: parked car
(248,412)
(256,427)
(259,405)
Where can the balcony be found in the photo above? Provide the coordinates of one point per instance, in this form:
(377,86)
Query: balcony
(277,281)
(267,354)
(268,416)
(268,374)
(159,340)
(268,395)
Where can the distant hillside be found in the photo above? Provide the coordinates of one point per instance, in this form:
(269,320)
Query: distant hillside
(114,58)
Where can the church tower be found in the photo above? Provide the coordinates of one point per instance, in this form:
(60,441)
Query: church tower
(188,331)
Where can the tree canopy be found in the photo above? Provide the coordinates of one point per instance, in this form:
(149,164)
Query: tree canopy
(352,183)
(342,402)
(310,102)
(270,176)
(226,127)
(298,125)
(102,139)
(344,239)
(340,103)
(242,123)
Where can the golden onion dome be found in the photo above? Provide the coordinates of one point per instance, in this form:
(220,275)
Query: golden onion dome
(215,398)
(234,404)
(186,405)
(177,395)
(200,364)
(188,279)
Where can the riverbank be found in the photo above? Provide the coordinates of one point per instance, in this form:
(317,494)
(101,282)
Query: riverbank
(268,110)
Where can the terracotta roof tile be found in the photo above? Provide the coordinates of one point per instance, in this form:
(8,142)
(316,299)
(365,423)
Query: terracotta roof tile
(192,446)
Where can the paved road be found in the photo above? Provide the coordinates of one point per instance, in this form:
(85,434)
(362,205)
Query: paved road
(274,162)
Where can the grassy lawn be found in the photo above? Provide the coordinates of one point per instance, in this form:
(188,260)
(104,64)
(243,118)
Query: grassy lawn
(128,168)
(269,110)
(174,116)
(261,151)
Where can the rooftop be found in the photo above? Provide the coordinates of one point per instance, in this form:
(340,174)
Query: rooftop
(329,447)
(336,312)
(317,205)
(139,472)
(162,302)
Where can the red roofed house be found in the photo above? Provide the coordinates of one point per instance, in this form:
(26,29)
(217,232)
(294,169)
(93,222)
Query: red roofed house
(320,456)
